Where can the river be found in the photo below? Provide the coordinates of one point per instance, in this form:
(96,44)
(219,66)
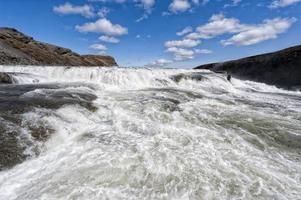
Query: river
(124,133)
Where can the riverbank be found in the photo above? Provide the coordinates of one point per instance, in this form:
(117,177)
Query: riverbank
(281,68)
(16,48)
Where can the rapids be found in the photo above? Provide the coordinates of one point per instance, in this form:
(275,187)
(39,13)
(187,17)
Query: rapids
(148,134)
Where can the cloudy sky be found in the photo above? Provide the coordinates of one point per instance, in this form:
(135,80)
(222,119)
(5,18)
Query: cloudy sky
(167,33)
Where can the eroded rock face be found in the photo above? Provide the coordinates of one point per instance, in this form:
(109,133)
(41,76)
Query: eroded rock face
(281,68)
(17,48)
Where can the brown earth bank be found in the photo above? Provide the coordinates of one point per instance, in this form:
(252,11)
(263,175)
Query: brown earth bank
(17,48)
(281,68)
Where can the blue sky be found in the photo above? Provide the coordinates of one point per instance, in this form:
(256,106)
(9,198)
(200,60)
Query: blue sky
(167,33)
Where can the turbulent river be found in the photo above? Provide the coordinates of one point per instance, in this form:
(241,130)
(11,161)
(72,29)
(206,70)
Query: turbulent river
(115,133)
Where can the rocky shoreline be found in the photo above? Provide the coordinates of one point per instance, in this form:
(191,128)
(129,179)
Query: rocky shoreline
(17,48)
(281,68)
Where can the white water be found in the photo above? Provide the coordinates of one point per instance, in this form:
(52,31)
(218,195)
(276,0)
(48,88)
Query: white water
(154,138)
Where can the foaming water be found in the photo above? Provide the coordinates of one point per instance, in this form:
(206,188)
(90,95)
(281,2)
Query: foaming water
(152,136)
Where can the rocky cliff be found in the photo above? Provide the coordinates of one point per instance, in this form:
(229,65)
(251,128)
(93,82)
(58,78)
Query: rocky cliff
(17,48)
(281,68)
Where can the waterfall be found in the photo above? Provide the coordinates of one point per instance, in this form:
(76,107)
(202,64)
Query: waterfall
(119,133)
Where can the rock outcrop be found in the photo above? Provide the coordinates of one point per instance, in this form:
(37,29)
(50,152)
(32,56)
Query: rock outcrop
(196,76)
(281,68)
(5,78)
(17,48)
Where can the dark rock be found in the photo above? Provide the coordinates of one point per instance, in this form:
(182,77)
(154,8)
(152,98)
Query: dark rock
(281,68)
(18,99)
(197,76)
(5,78)
(17,48)
(229,77)
(11,151)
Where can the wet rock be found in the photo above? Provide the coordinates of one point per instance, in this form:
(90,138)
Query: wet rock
(229,77)
(5,78)
(11,152)
(197,76)
(21,98)
(17,48)
(17,134)
(16,137)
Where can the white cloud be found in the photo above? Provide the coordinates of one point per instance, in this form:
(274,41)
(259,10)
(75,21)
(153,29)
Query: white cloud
(186,54)
(160,63)
(68,8)
(203,51)
(103,12)
(179,6)
(185,43)
(283,3)
(242,34)
(194,36)
(217,25)
(180,53)
(186,30)
(109,39)
(99,47)
(165,13)
(143,17)
(146,4)
(270,29)
(103,26)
